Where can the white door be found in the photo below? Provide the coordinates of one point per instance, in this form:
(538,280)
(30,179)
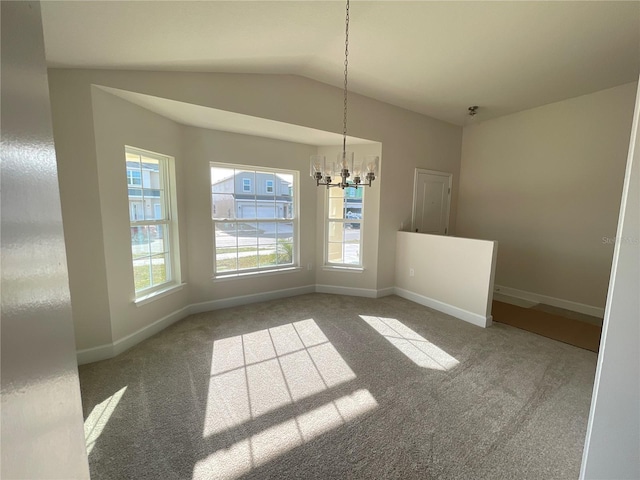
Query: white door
(431,197)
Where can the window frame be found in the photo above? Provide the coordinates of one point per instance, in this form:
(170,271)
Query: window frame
(327,228)
(131,178)
(246,185)
(294,219)
(168,204)
(270,184)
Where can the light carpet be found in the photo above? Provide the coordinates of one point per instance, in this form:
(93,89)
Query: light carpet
(335,387)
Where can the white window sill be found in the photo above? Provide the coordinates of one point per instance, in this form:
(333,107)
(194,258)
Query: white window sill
(239,276)
(338,268)
(158,294)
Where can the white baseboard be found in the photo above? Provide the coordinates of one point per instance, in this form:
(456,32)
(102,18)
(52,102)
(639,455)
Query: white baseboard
(246,299)
(95,354)
(129,341)
(104,352)
(385,292)
(351,291)
(467,316)
(554,302)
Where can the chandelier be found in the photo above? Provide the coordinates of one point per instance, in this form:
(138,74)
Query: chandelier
(362,172)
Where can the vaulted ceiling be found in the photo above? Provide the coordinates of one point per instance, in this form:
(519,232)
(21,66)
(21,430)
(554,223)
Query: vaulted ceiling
(436,58)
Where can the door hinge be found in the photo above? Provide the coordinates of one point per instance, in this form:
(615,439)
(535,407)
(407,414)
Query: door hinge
(449,192)
(445,231)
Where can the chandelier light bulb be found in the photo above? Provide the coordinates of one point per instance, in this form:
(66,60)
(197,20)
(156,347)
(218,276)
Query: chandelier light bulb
(357,168)
(372,163)
(317,165)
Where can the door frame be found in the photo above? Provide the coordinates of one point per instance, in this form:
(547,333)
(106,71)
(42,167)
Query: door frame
(415,192)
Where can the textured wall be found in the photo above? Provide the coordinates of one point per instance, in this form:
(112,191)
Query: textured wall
(42,431)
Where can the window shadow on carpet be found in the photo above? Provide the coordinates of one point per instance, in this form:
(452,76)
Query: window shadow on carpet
(327,386)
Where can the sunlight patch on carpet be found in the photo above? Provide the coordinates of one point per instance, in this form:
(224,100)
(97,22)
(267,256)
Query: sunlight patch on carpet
(259,372)
(241,457)
(413,345)
(98,418)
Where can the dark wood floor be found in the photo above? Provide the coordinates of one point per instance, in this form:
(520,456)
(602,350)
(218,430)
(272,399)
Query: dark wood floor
(568,330)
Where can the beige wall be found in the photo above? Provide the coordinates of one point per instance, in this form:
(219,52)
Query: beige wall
(409,140)
(546,183)
(118,123)
(79,195)
(450,274)
(203,146)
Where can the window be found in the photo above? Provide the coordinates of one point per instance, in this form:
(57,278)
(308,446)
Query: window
(134,177)
(253,232)
(344,227)
(152,225)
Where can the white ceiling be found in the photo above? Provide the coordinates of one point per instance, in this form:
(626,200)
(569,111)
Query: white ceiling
(436,58)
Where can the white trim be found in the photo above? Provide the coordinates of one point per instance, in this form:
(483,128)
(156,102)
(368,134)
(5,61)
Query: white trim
(325,237)
(340,268)
(246,299)
(95,354)
(138,336)
(158,294)
(295,202)
(350,291)
(167,183)
(104,352)
(467,316)
(554,302)
(253,273)
(385,292)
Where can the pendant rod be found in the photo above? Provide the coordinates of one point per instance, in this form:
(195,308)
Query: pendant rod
(346,73)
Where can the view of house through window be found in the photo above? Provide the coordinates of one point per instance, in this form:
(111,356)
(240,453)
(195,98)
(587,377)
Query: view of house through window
(254,218)
(150,219)
(344,222)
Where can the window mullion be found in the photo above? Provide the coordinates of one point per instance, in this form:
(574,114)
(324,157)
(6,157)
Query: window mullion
(152,237)
(252,191)
(347,251)
(141,223)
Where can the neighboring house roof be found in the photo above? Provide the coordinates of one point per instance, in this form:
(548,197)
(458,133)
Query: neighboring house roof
(145,165)
(222,180)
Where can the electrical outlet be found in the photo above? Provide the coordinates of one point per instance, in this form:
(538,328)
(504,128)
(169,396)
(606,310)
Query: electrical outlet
(411,272)
(401,226)
(310,266)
